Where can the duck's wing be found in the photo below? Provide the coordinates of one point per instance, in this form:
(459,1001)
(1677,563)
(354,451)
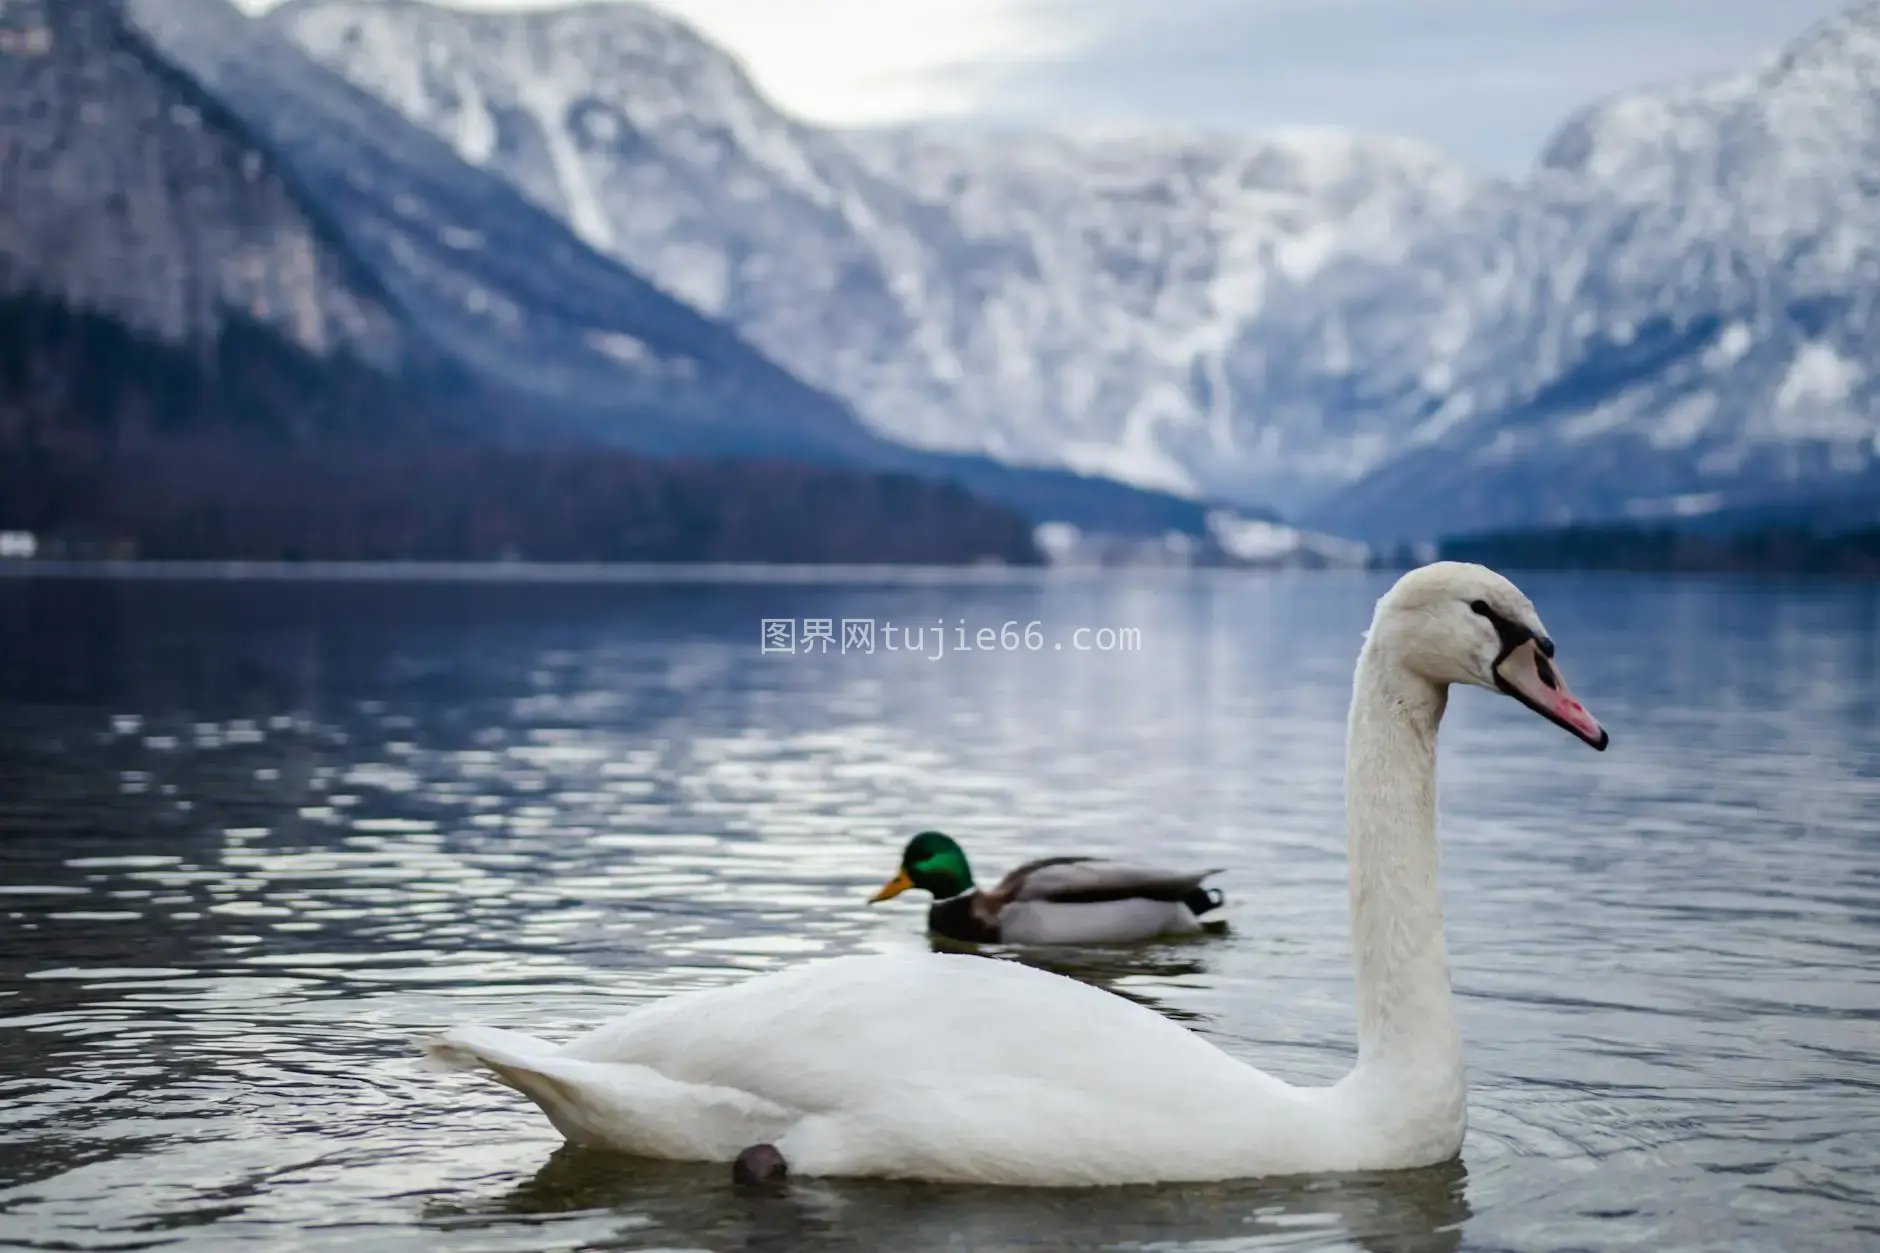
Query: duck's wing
(1088,880)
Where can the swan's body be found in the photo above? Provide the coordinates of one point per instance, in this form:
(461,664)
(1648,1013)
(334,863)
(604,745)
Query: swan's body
(1053,900)
(960,1068)
(933,1066)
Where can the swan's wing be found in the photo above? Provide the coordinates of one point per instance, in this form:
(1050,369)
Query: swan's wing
(1087,880)
(885,1028)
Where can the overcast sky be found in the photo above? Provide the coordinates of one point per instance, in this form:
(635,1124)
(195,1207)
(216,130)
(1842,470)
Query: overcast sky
(1484,79)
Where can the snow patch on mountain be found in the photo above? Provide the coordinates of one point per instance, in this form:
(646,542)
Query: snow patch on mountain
(1253,542)
(1229,541)
(1818,378)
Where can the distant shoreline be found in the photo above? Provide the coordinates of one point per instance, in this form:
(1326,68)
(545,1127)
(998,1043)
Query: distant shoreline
(760,573)
(1781,550)
(591,572)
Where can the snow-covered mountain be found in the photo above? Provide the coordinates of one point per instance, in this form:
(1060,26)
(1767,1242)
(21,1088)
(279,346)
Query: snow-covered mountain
(1045,299)
(1675,312)
(1678,312)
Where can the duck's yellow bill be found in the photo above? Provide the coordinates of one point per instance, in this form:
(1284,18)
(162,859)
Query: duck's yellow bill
(895,886)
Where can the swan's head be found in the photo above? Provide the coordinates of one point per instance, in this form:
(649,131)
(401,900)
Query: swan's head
(1452,622)
(933,863)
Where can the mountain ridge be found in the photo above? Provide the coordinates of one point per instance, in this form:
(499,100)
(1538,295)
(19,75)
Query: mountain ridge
(1673,302)
(951,292)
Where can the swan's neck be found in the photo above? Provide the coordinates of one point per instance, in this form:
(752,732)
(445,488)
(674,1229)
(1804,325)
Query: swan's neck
(1406,1022)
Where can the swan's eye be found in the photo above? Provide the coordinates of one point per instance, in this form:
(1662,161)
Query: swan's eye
(1511,634)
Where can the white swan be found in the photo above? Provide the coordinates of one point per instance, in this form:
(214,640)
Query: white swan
(961,1068)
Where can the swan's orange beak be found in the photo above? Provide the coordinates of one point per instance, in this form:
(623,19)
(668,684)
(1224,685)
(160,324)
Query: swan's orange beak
(1528,674)
(894,887)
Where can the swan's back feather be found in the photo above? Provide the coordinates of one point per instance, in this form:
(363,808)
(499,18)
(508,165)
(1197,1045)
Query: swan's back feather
(813,1036)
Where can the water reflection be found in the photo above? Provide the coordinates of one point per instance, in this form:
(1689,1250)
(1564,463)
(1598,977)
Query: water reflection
(1418,1211)
(1130,972)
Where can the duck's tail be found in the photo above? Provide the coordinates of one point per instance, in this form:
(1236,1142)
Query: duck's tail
(617,1105)
(1202,900)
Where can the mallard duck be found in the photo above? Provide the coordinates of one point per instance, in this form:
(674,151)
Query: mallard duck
(952,1068)
(1054,900)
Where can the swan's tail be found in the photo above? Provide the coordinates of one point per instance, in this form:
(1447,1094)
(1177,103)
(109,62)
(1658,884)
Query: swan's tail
(483,1048)
(617,1105)
(532,1067)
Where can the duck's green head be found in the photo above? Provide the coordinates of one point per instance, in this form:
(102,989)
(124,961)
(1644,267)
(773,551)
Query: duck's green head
(933,863)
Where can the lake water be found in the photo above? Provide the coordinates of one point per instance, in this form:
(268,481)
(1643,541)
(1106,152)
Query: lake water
(256,836)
